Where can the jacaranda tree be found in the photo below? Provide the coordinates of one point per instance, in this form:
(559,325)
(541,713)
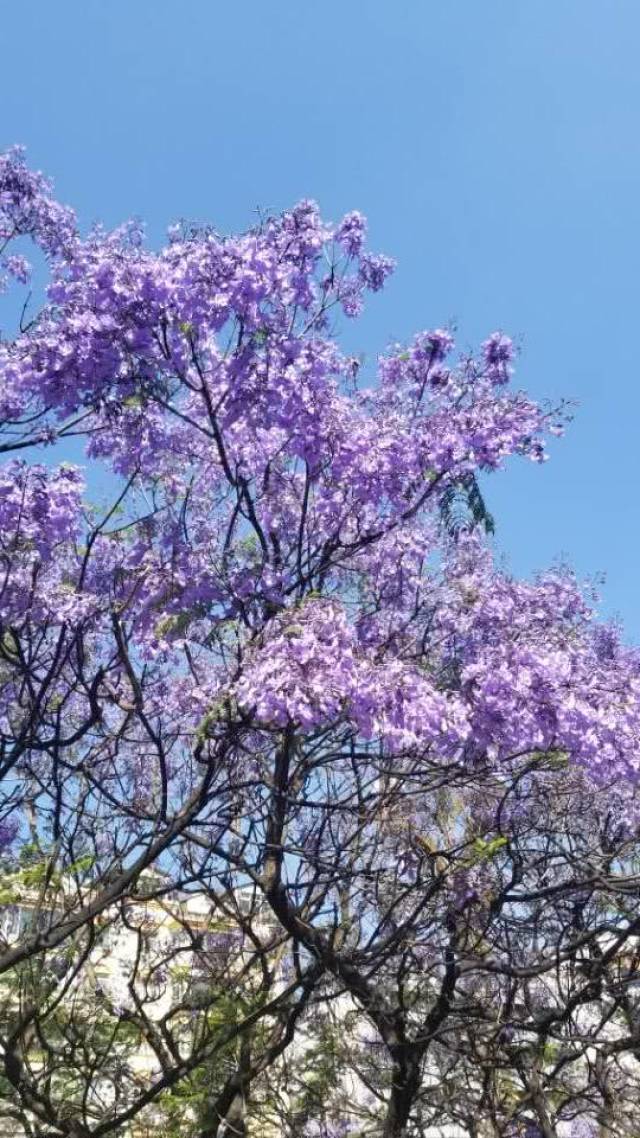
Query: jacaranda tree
(270,651)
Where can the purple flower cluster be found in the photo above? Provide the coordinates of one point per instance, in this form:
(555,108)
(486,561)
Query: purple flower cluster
(27,208)
(39,521)
(8,833)
(282,558)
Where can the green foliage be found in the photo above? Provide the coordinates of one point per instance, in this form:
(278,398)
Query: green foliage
(483,851)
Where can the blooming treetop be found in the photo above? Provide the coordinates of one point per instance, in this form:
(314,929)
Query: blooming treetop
(282,527)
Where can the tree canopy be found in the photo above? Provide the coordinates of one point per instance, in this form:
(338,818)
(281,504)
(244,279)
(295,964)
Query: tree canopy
(272,654)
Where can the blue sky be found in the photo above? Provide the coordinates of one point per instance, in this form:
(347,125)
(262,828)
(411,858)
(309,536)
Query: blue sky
(494,147)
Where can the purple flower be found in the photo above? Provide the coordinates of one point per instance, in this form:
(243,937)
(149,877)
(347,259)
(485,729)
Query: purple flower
(8,832)
(351,233)
(374,270)
(498,352)
(498,349)
(439,343)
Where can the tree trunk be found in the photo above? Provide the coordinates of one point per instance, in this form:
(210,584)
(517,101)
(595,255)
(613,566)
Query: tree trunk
(235,1123)
(404,1088)
(226,1115)
(235,1120)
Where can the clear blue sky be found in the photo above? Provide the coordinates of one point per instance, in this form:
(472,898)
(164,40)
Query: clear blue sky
(493,144)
